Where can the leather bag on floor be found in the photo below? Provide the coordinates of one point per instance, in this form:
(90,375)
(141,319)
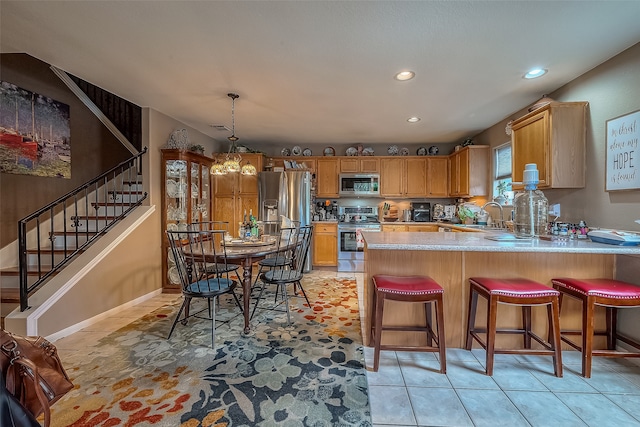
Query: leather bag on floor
(33,372)
(12,413)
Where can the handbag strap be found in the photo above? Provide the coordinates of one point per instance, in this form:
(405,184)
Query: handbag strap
(27,365)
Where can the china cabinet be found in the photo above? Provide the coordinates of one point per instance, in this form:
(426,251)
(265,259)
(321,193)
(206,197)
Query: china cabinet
(186,198)
(469,171)
(554,138)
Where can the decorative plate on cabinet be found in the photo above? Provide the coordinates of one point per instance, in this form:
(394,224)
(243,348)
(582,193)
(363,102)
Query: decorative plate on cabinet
(393,150)
(329,151)
(172,188)
(307,152)
(296,151)
(404,151)
(285,152)
(422,151)
(367,151)
(433,150)
(352,151)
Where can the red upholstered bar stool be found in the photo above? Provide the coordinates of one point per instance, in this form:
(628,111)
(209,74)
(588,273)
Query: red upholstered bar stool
(525,293)
(609,293)
(410,289)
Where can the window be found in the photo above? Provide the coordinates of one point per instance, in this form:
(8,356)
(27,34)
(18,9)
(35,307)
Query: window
(502,176)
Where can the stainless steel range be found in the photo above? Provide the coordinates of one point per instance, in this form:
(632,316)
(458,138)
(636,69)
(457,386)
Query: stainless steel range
(353,221)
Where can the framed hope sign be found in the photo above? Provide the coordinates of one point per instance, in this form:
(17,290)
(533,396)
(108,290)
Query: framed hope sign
(623,154)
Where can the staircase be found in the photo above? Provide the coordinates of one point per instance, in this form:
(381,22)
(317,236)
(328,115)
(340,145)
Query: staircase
(53,236)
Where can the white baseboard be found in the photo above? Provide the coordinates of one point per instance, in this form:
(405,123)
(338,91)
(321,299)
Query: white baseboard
(95,319)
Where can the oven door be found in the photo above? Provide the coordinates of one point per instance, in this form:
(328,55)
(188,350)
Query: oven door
(351,246)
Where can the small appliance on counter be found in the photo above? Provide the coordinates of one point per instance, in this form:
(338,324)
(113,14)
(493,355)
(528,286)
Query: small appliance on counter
(449,212)
(421,212)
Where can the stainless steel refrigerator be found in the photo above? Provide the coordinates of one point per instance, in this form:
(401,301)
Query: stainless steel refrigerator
(286,193)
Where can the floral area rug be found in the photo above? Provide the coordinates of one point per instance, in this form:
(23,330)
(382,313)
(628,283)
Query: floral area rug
(310,373)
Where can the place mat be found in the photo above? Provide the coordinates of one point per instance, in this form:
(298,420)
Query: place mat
(247,244)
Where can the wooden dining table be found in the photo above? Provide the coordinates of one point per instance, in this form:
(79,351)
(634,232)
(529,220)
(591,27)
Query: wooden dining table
(245,255)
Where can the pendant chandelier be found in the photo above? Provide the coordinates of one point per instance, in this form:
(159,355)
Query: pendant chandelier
(232,162)
(233,159)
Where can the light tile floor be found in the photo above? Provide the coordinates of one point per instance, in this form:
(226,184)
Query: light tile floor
(408,390)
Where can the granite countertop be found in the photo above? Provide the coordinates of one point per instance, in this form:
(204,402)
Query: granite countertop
(477,242)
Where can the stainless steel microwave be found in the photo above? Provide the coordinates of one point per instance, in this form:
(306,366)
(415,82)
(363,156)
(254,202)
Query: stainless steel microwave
(359,184)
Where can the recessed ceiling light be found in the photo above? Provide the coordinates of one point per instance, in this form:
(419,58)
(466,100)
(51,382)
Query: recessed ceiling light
(535,73)
(413,119)
(405,75)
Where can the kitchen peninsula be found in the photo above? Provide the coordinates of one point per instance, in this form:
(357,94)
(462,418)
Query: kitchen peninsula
(451,258)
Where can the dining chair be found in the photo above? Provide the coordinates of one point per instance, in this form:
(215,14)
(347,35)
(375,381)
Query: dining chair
(214,267)
(194,251)
(293,244)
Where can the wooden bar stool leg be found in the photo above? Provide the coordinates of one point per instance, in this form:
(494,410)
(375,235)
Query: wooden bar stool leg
(587,335)
(492,308)
(441,339)
(611,316)
(471,317)
(553,311)
(378,331)
(427,312)
(526,325)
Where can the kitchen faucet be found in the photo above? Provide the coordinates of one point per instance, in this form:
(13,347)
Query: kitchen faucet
(499,207)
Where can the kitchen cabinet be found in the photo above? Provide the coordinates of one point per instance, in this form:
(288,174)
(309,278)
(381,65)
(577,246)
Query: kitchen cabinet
(469,171)
(403,177)
(394,227)
(412,227)
(437,176)
(423,228)
(325,244)
(554,138)
(186,198)
(414,177)
(234,194)
(307,162)
(359,165)
(327,177)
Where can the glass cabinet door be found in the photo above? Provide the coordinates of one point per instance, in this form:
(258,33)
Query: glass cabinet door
(176,186)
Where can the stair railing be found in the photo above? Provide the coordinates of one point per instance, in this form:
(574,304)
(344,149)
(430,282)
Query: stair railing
(61,219)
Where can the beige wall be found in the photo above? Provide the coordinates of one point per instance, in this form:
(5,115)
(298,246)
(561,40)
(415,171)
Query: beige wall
(93,148)
(612,89)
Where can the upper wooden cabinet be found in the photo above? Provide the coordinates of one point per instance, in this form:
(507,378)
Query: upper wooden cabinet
(469,171)
(327,174)
(554,138)
(413,177)
(359,164)
(400,177)
(235,193)
(437,177)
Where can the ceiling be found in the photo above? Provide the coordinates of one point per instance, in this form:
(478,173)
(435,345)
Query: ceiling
(318,73)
